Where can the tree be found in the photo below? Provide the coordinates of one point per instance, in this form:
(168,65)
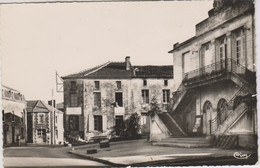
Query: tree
(132,126)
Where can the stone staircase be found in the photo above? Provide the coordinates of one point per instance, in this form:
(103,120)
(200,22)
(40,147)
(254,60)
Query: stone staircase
(171,125)
(232,119)
(186,142)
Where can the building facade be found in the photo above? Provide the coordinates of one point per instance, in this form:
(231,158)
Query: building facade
(45,123)
(215,87)
(100,98)
(14,117)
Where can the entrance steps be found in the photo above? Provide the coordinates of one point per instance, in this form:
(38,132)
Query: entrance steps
(186,142)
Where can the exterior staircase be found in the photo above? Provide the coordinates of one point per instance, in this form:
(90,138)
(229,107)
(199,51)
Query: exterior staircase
(233,117)
(174,129)
(186,142)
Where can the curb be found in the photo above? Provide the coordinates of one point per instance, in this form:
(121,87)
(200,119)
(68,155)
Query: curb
(195,161)
(97,159)
(198,161)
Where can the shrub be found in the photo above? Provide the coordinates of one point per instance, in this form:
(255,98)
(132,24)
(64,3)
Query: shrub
(131,127)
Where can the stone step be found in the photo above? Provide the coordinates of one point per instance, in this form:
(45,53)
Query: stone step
(178,144)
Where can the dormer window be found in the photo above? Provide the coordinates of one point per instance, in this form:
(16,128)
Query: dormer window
(144,82)
(97,85)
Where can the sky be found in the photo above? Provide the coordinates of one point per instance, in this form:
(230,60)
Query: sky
(38,39)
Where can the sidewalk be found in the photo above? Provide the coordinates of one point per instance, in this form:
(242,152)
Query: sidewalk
(140,152)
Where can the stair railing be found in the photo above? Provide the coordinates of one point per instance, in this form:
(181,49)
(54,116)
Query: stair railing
(226,109)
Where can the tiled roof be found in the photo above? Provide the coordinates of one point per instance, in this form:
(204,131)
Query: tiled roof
(117,70)
(33,103)
(151,71)
(110,70)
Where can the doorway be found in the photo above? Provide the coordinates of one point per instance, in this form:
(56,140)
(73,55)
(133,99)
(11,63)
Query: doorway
(13,134)
(119,124)
(207,117)
(41,136)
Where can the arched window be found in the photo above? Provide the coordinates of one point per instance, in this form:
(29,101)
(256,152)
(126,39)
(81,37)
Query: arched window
(207,106)
(222,111)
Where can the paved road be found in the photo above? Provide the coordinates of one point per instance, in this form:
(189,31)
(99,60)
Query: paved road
(44,157)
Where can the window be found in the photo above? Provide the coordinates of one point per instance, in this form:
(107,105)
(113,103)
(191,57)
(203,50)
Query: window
(56,119)
(145,96)
(73,100)
(144,82)
(166,96)
(97,99)
(97,85)
(73,85)
(41,119)
(238,49)
(222,48)
(73,123)
(118,85)
(119,98)
(13,116)
(56,132)
(98,123)
(21,116)
(165,82)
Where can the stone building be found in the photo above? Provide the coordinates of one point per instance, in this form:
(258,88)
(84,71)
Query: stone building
(215,77)
(14,117)
(45,123)
(100,98)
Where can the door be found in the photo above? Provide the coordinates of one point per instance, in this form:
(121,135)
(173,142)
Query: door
(119,98)
(41,136)
(207,117)
(119,124)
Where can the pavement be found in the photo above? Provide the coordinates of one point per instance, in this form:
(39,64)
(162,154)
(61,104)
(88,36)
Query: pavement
(142,153)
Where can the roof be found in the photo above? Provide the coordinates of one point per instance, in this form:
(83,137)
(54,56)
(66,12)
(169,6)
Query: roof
(151,71)
(182,44)
(117,70)
(39,106)
(6,87)
(60,105)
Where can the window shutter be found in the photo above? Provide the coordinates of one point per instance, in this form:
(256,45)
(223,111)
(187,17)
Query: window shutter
(91,122)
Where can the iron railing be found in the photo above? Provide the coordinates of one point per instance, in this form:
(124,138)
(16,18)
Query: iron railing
(218,68)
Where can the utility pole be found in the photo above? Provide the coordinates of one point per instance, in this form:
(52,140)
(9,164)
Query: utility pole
(52,119)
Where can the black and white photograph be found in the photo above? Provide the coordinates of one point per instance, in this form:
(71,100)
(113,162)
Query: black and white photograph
(128,83)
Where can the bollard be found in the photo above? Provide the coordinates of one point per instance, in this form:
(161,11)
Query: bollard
(104,144)
(91,151)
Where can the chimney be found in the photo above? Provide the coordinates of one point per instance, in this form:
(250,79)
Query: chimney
(50,103)
(127,63)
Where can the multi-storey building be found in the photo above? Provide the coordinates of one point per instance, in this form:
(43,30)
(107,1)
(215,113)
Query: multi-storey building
(45,123)
(215,79)
(14,117)
(100,98)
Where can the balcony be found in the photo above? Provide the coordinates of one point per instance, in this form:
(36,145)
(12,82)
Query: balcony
(216,71)
(119,110)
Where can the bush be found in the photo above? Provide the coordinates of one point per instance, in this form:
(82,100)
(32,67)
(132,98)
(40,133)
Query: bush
(131,127)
